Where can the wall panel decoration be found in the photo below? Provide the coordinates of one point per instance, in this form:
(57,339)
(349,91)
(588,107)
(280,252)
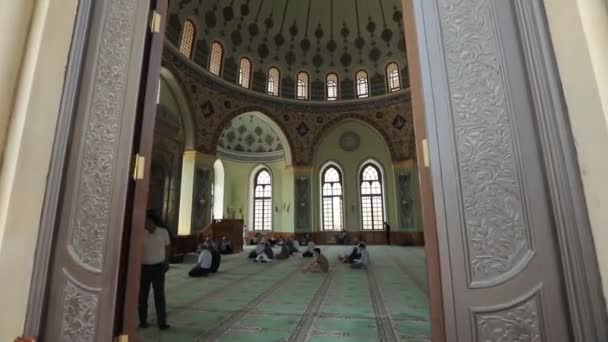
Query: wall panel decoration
(405,201)
(303,122)
(302,204)
(201,204)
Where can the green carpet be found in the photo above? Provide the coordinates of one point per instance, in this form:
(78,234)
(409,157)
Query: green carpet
(250,302)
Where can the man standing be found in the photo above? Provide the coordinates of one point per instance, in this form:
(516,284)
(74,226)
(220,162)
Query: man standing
(155,263)
(387,229)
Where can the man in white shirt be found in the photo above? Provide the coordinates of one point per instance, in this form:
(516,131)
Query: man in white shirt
(363,259)
(203,265)
(155,262)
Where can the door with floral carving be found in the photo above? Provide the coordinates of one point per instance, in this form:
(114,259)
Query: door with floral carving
(500,259)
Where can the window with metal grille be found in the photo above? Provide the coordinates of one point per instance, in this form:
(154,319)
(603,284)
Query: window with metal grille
(302,86)
(216,58)
(262,201)
(392,75)
(332,87)
(372,197)
(332,198)
(187,40)
(272,87)
(362,84)
(244,73)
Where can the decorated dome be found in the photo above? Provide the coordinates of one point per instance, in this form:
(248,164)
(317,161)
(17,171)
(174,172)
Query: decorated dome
(248,137)
(319,50)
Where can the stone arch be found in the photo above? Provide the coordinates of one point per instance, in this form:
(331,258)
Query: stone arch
(334,122)
(269,118)
(185,108)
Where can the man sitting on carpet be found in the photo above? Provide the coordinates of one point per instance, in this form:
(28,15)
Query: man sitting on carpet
(309,250)
(319,264)
(266,255)
(363,259)
(291,245)
(225,246)
(349,255)
(258,249)
(203,266)
(284,253)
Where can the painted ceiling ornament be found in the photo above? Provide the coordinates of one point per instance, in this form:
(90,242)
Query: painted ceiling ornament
(350,141)
(319,37)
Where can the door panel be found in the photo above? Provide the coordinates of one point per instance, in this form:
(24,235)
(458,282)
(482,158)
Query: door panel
(81,296)
(502,255)
(138,196)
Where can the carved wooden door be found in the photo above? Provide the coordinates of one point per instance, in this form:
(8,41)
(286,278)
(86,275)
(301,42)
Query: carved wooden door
(501,271)
(81,299)
(129,278)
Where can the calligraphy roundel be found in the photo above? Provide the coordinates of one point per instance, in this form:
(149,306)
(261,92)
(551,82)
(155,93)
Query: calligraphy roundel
(350,141)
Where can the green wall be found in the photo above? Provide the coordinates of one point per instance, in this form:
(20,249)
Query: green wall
(237,192)
(372,146)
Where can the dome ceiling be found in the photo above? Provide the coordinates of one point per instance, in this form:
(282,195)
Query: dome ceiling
(248,134)
(316,36)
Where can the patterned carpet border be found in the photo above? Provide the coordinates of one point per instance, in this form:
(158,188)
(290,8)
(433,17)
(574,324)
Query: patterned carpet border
(386,331)
(302,330)
(219,290)
(228,322)
(417,281)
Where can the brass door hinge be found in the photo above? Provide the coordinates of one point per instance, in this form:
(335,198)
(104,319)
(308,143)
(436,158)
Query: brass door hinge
(155,22)
(140,167)
(425,153)
(123,338)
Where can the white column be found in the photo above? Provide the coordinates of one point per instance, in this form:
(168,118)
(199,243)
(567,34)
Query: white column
(186,193)
(15,19)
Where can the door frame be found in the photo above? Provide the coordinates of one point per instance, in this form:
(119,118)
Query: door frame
(431,241)
(581,272)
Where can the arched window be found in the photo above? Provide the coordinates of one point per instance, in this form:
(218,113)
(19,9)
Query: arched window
(372,197)
(392,75)
(332,198)
(187,40)
(244,73)
(332,87)
(215,59)
(274,76)
(302,86)
(262,201)
(362,84)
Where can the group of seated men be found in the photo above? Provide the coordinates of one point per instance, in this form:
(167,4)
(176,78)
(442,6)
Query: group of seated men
(210,258)
(263,251)
(210,255)
(356,256)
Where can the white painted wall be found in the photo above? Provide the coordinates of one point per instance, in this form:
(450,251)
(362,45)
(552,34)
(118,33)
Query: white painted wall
(579,30)
(218,189)
(35,39)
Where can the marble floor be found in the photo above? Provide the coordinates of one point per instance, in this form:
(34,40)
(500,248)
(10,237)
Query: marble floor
(248,301)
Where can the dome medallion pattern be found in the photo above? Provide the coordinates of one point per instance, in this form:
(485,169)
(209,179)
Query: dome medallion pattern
(318,37)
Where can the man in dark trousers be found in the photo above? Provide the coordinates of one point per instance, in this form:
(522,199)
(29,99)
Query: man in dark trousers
(387,229)
(155,263)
